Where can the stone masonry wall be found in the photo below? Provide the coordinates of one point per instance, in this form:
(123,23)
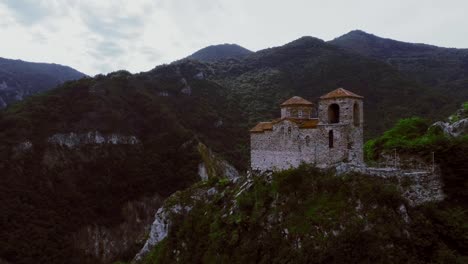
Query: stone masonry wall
(278,149)
(286,145)
(355,131)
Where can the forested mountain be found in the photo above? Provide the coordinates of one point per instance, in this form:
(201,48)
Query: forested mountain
(219,52)
(443,68)
(309,67)
(19,79)
(85,166)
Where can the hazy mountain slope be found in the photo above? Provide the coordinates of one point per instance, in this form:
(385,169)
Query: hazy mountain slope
(310,67)
(444,68)
(19,79)
(217,52)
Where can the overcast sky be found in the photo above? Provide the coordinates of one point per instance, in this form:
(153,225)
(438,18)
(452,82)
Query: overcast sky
(100,36)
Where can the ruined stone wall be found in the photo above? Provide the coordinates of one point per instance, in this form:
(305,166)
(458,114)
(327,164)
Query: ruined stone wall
(417,186)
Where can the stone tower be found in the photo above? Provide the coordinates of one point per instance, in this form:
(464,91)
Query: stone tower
(341,112)
(331,137)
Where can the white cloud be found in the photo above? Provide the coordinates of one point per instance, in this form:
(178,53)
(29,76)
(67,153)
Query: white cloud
(107,35)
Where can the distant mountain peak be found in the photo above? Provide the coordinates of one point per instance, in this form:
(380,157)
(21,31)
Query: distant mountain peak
(19,79)
(357,35)
(359,32)
(306,40)
(219,52)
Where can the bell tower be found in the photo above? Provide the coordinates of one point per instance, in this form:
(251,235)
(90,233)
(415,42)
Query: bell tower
(341,112)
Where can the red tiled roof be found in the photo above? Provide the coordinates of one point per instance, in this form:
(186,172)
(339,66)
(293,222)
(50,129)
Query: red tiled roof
(340,92)
(296,100)
(302,123)
(261,127)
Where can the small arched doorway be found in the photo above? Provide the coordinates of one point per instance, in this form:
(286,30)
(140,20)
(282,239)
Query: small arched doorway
(330,139)
(333,114)
(356,115)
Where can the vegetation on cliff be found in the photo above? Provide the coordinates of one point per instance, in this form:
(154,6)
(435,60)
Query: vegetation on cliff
(305,215)
(417,137)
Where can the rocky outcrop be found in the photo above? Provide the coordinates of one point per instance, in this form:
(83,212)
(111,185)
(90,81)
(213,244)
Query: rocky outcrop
(213,166)
(160,228)
(72,139)
(455,129)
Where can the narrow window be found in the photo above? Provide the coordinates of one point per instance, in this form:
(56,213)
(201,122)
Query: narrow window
(356,114)
(307,140)
(289,130)
(333,114)
(300,114)
(330,139)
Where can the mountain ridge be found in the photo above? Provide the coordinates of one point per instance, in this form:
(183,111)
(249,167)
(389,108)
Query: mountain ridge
(19,79)
(445,69)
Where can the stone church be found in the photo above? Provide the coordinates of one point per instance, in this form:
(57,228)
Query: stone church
(324,136)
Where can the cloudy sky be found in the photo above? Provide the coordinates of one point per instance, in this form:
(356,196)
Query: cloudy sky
(100,36)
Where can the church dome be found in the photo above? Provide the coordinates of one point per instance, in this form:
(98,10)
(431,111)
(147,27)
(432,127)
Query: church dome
(296,101)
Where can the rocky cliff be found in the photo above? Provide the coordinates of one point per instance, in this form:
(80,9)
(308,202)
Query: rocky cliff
(302,216)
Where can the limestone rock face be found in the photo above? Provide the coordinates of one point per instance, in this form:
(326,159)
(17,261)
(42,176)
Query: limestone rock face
(456,129)
(72,139)
(213,166)
(160,228)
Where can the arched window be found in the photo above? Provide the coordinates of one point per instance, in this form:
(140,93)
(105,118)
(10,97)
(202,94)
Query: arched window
(356,114)
(330,139)
(307,140)
(289,130)
(294,112)
(333,114)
